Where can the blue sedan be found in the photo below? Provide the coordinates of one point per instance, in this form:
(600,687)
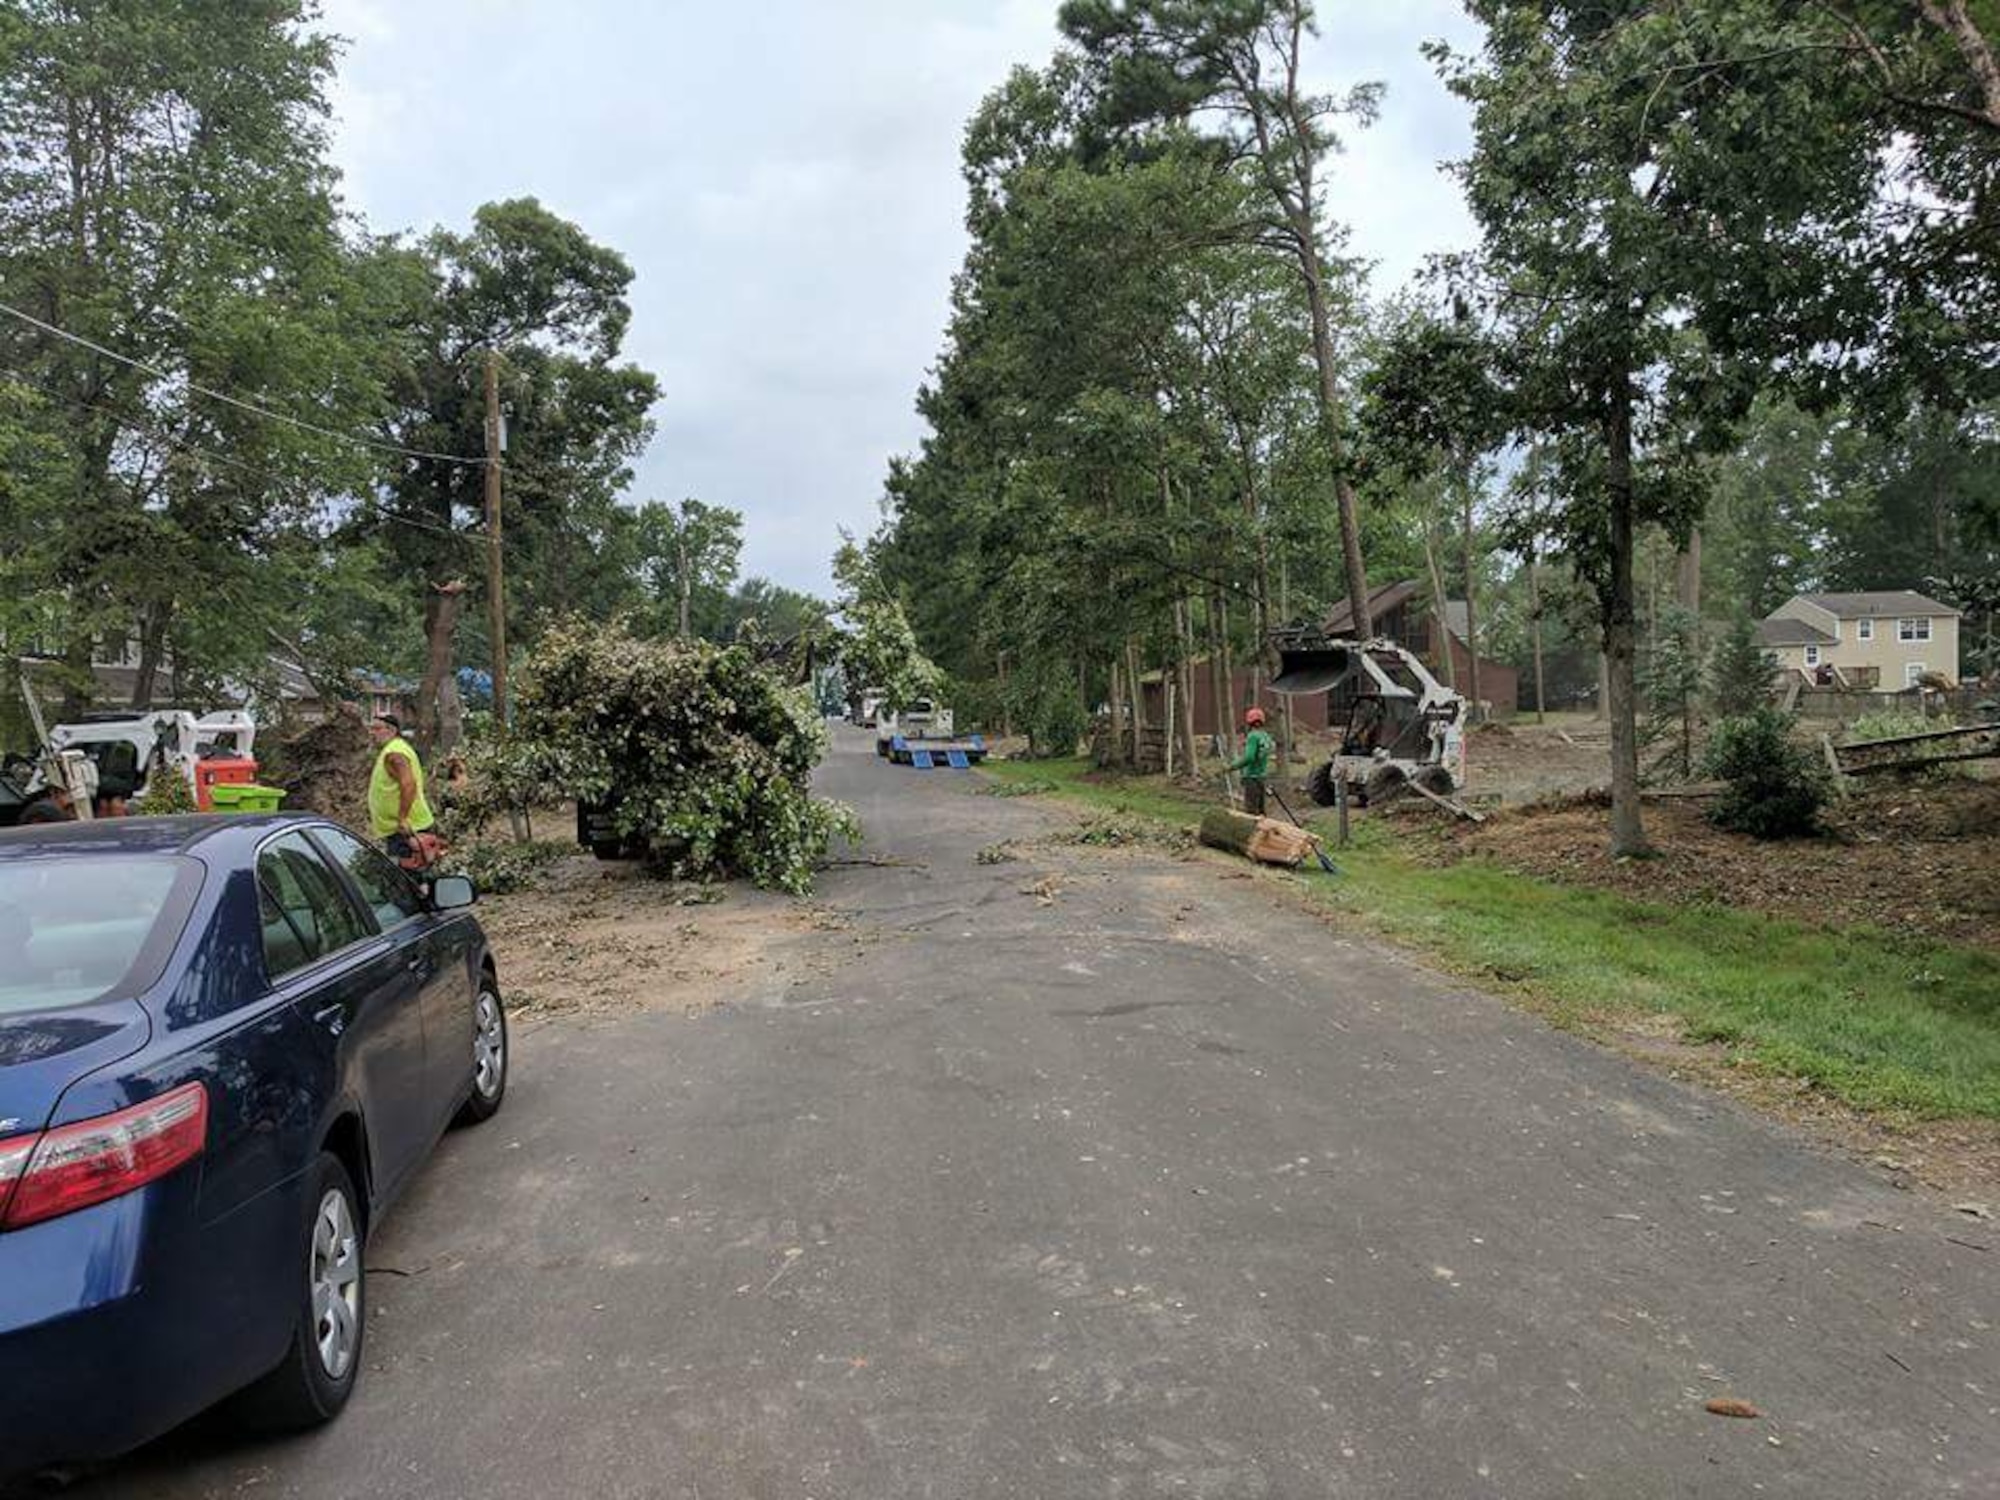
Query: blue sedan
(226,1044)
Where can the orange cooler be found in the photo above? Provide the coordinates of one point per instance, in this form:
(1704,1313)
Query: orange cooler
(230,770)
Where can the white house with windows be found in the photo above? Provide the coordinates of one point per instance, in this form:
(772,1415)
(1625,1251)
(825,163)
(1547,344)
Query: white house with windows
(1884,642)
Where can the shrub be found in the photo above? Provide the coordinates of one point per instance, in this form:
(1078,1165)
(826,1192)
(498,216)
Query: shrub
(1774,787)
(1042,701)
(169,793)
(1891,724)
(1894,723)
(700,755)
(500,868)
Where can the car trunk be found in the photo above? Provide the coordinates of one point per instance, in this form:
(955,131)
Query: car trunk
(42,1053)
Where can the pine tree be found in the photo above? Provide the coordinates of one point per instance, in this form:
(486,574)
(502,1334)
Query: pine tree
(1670,687)
(1740,676)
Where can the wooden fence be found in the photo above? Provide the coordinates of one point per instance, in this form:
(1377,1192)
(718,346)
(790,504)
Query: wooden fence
(1830,705)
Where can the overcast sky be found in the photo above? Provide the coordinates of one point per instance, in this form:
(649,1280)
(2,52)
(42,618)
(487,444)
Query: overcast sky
(784,179)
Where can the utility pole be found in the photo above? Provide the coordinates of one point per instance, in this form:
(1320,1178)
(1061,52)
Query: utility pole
(496,596)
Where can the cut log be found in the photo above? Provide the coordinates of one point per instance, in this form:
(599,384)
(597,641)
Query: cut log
(1276,843)
(1263,839)
(1223,828)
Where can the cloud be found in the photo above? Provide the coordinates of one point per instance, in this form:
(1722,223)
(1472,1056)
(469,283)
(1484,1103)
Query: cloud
(784,179)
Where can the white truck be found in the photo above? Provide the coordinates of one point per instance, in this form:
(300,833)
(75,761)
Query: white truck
(922,720)
(866,706)
(922,735)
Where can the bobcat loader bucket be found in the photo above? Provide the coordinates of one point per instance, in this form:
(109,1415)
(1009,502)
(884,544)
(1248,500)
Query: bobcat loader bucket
(1310,663)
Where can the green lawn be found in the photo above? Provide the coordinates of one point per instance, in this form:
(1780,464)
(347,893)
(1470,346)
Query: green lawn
(1881,1022)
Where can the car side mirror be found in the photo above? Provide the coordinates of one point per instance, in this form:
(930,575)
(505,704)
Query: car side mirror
(452,893)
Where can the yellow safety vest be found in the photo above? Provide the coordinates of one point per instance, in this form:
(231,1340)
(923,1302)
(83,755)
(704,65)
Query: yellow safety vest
(385,793)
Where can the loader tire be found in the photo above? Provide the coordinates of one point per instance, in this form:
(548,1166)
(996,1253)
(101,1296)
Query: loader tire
(1436,780)
(1384,785)
(1320,787)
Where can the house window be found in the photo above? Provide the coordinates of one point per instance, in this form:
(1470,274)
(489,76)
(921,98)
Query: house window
(1812,656)
(1914,630)
(1864,630)
(1913,672)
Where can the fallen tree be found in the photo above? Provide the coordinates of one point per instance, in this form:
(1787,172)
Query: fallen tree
(701,756)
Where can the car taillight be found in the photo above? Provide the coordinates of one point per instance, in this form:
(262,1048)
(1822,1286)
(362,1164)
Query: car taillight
(75,1166)
(14,1154)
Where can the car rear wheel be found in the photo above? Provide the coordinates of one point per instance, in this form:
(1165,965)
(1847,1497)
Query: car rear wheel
(489,1054)
(313,1381)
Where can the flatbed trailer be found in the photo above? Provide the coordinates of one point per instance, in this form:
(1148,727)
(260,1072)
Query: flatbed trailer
(928,754)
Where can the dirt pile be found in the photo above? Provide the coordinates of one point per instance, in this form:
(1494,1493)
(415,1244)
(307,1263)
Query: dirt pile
(324,767)
(1921,859)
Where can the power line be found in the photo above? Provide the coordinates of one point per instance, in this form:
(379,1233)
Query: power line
(209,455)
(249,406)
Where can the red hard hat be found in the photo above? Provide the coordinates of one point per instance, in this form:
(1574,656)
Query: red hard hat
(1254,716)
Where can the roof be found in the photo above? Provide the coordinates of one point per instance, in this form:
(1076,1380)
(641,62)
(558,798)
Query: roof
(1881,604)
(1457,614)
(114,683)
(291,679)
(139,835)
(1381,599)
(1783,630)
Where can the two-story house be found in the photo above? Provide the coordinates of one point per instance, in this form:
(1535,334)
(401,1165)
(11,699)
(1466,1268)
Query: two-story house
(1875,642)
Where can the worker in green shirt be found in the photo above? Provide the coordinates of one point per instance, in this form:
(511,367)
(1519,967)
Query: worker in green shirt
(398,812)
(1254,762)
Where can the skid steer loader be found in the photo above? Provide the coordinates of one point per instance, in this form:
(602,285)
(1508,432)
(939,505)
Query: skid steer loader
(1405,726)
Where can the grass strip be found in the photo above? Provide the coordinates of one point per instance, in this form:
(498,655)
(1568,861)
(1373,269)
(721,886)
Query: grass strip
(1885,1023)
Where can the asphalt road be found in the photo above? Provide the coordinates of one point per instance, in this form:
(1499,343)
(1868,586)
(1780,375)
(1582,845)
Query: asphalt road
(1148,1185)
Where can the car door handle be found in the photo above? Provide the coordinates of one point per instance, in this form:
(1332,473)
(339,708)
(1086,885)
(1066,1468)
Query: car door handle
(332,1017)
(419,963)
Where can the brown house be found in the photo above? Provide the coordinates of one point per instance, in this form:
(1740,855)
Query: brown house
(1248,688)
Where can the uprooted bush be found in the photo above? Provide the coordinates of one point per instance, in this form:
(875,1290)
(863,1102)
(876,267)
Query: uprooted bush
(702,757)
(1773,788)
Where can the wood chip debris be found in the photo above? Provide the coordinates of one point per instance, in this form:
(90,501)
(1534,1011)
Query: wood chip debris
(1730,1406)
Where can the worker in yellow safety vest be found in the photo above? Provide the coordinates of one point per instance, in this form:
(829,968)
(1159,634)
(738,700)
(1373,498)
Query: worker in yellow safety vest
(397,811)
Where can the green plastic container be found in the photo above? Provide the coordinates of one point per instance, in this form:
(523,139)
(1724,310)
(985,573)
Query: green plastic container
(246,799)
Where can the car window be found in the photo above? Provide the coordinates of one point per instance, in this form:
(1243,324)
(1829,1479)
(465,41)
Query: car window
(387,890)
(306,914)
(74,930)
(285,946)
